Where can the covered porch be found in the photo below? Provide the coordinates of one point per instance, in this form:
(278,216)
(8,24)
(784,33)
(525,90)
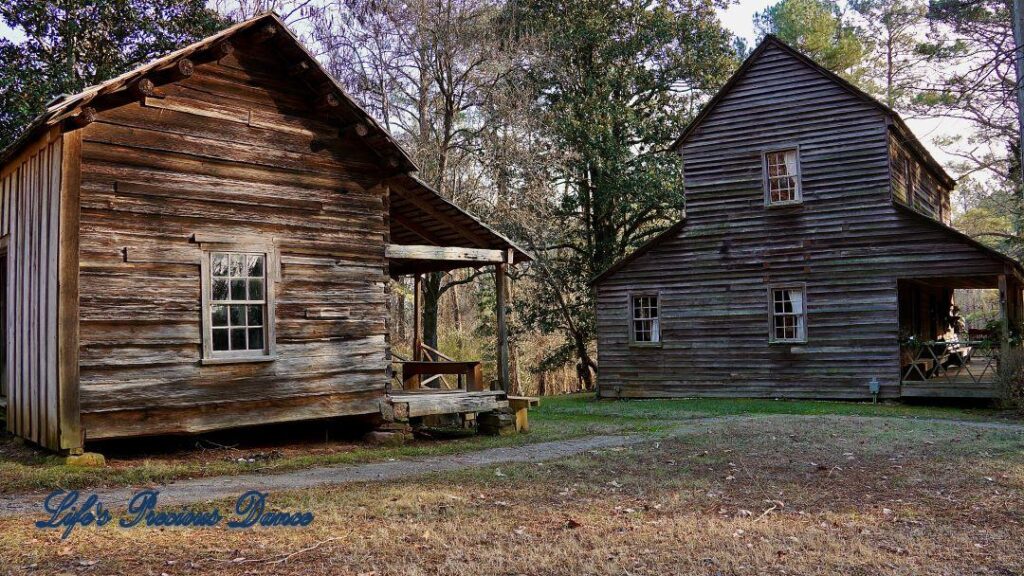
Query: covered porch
(941,356)
(429,234)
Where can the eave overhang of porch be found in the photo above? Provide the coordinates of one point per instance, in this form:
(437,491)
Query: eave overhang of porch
(428,233)
(1001,264)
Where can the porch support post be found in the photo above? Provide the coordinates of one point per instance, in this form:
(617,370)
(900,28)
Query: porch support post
(500,288)
(417,329)
(1004,336)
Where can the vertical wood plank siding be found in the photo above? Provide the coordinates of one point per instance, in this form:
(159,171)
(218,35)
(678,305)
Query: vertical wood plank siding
(846,242)
(31,196)
(228,152)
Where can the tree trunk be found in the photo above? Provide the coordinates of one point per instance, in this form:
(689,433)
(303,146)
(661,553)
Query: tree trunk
(586,367)
(456,311)
(401,332)
(431,295)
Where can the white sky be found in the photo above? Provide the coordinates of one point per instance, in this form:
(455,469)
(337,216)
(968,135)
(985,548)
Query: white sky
(739,19)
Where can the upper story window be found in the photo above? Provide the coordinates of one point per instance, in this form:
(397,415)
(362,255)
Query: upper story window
(782,177)
(238,304)
(788,305)
(645,322)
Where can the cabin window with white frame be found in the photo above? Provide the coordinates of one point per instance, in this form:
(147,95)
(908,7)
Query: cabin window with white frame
(788,313)
(782,177)
(645,324)
(237,304)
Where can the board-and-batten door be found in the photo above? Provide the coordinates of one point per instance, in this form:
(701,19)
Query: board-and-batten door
(30,189)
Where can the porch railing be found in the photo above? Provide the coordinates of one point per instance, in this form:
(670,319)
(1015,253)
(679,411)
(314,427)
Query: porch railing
(956,362)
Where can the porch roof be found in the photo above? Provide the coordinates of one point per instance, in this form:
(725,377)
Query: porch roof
(421,216)
(1010,266)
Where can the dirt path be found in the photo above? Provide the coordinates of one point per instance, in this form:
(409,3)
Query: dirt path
(227,487)
(222,487)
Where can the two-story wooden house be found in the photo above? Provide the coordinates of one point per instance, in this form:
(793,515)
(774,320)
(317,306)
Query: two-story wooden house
(816,236)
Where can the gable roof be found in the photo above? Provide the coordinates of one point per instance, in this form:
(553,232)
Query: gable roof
(897,123)
(316,78)
(65,107)
(958,235)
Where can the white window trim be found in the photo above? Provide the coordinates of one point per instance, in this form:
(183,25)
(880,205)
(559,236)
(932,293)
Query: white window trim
(802,287)
(273,276)
(629,320)
(766,183)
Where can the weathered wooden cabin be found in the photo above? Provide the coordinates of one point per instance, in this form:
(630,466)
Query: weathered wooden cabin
(815,258)
(205,242)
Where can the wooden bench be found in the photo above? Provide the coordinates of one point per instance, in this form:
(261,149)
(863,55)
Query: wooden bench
(520,406)
(412,371)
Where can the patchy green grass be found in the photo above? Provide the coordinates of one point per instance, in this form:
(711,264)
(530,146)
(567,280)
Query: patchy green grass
(585,405)
(768,495)
(25,468)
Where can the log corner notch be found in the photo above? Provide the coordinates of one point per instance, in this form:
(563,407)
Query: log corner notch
(181,69)
(86,116)
(143,88)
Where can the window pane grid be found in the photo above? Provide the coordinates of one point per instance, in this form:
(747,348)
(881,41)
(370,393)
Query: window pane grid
(238,294)
(788,314)
(645,322)
(782,176)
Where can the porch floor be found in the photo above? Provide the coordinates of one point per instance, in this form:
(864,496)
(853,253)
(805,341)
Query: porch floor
(976,380)
(427,402)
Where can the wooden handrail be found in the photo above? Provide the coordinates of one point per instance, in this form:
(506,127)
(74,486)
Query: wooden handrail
(437,353)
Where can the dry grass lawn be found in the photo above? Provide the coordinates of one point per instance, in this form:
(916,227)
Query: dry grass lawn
(758,495)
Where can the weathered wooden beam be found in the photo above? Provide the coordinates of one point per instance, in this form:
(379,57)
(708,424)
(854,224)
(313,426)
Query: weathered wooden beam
(501,288)
(413,227)
(143,87)
(417,328)
(445,253)
(82,119)
(1004,317)
(359,129)
(328,101)
(182,69)
(69,408)
(427,207)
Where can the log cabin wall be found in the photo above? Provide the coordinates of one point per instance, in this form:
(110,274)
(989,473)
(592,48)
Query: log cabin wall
(846,243)
(236,151)
(30,185)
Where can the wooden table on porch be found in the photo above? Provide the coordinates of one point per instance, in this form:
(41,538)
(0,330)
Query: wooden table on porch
(413,370)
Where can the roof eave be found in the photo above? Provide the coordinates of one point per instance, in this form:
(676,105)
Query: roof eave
(640,251)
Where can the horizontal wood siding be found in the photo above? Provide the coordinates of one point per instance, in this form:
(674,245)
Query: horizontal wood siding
(30,187)
(228,152)
(846,242)
(921,191)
